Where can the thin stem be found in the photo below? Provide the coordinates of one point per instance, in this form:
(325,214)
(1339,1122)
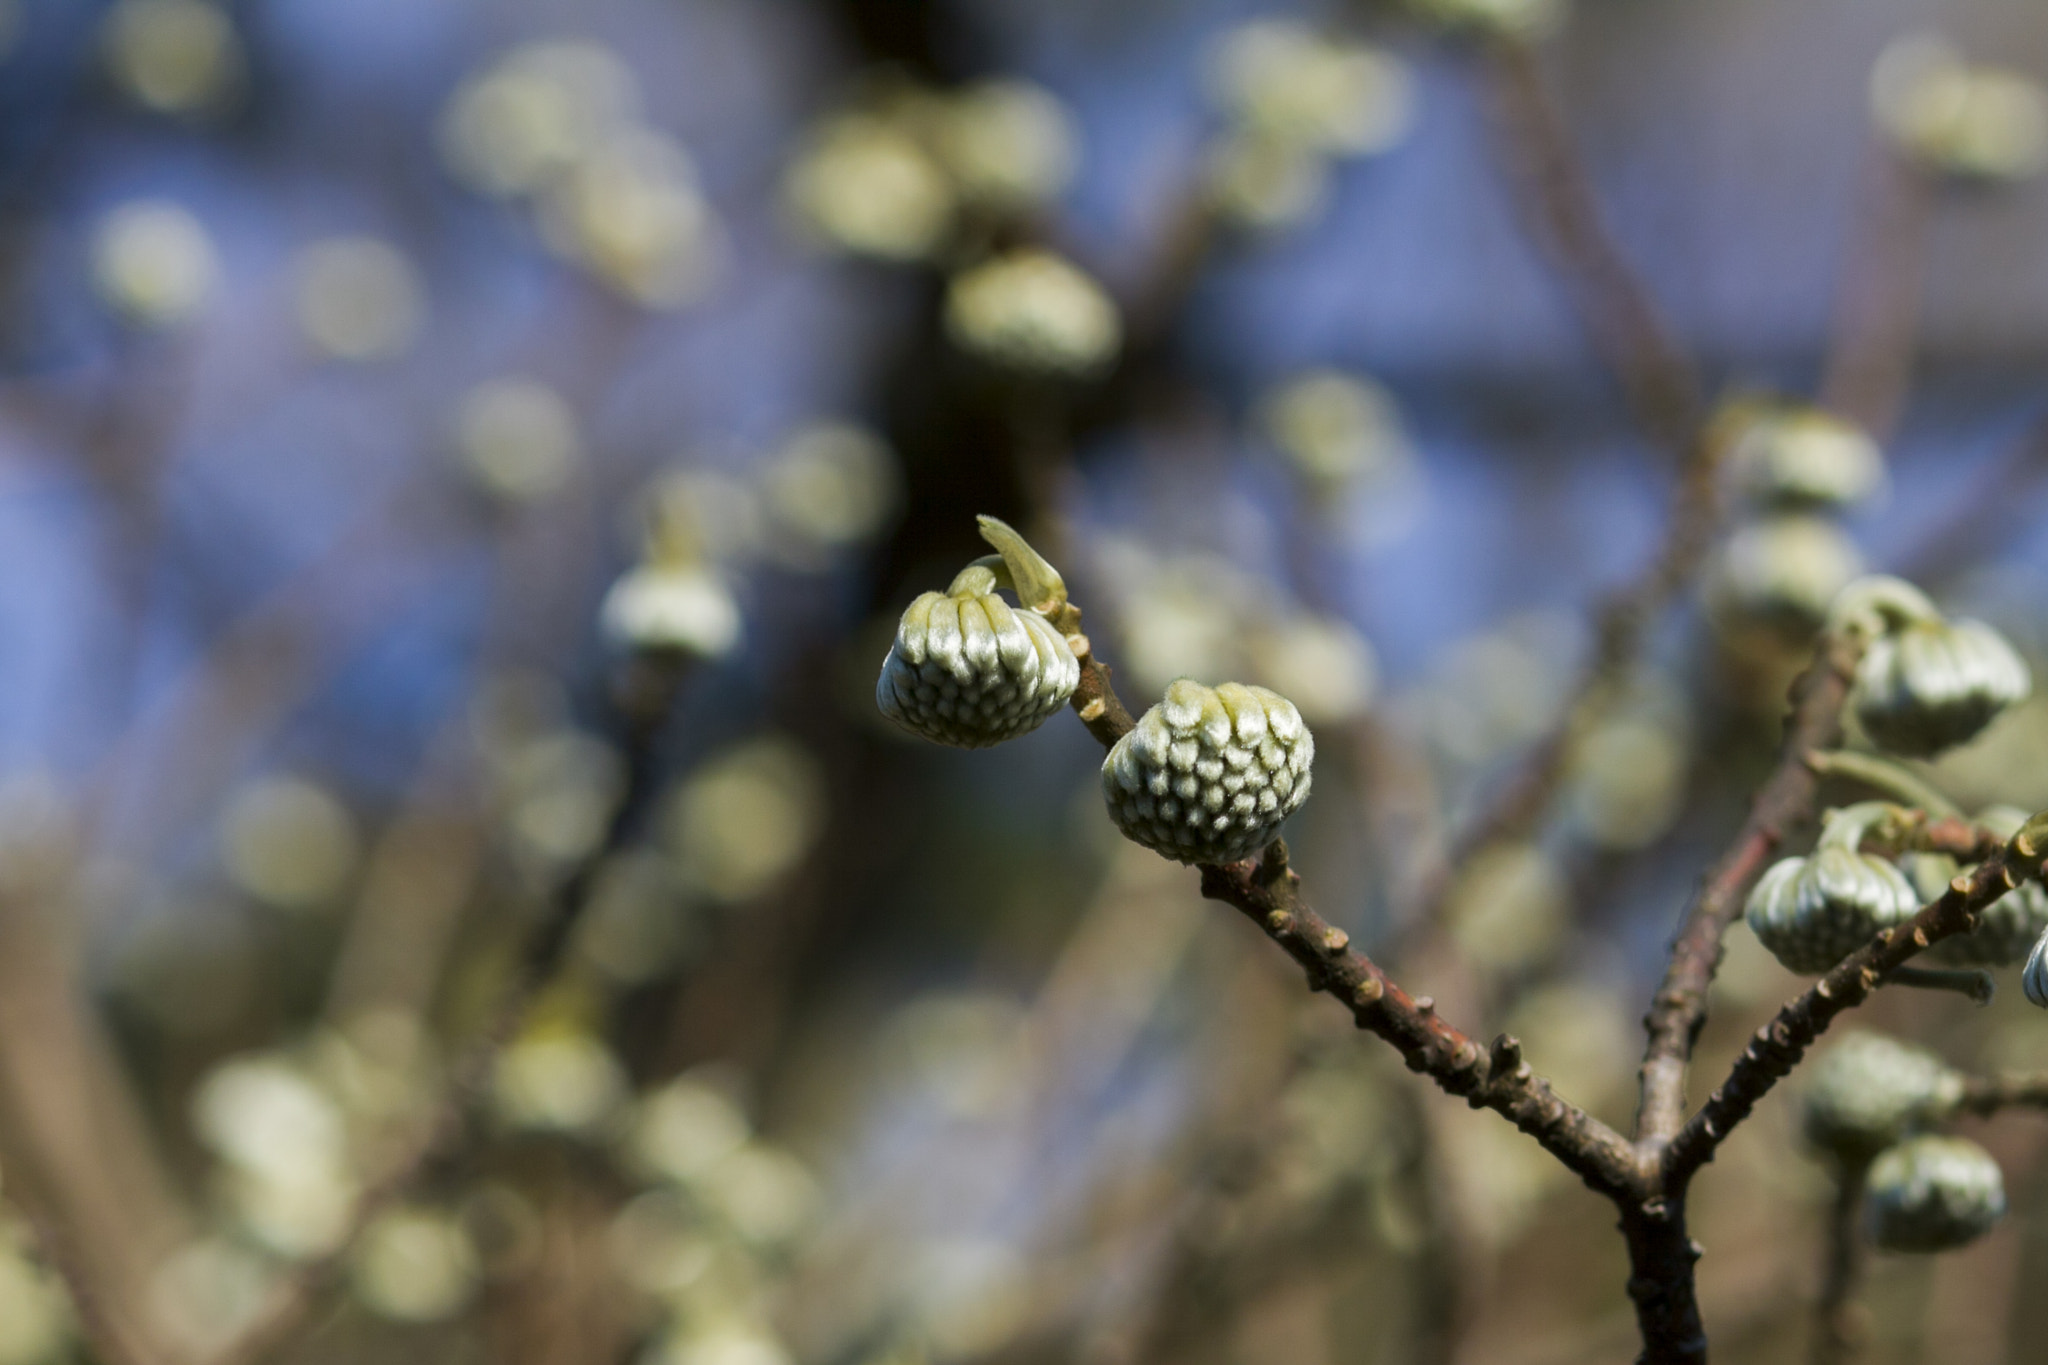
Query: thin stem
(1838,1323)
(1882,774)
(1680,1006)
(1877,313)
(1985,1095)
(1972,982)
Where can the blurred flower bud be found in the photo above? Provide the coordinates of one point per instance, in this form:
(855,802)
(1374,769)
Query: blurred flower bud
(1032,311)
(969,670)
(1782,571)
(204,1295)
(153,263)
(832,486)
(1933,1194)
(1980,122)
(557,1083)
(37,1324)
(1209,774)
(173,56)
(1321,663)
(1284,81)
(864,184)
(630,211)
(683,1131)
(1337,430)
(1264,184)
(414,1265)
(718,1343)
(1867,1092)
(296,1216)
(2008,928)
(1008,144)
(764,1195)
(680,610)
(705,515)
(1509,906)
(1525,18)
(1804,457)
(289,843)
(261,1112)
(517,439)
(1930,684)
(1814,911)
(1628,780)
(747,817)
(359,298)
(534,113)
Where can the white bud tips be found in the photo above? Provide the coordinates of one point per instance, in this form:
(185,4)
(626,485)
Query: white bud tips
(671,609)
(1814,911)
(1209,774)
(970,670)
(1933,1194)
(1868,1092)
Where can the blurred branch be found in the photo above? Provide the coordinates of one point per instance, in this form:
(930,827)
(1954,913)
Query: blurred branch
(2002,502)
(1838,1320)
(1558,205)
(1780,1044)
(1787,798)
(641,702)
(1985,1095)
(1877,314)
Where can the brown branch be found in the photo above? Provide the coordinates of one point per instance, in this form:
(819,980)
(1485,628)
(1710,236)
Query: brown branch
(1778,1045)
(1877,313)
(1838,1320)
(1556,200)
(1492,1077)
(1680,1005)
(1986,1095)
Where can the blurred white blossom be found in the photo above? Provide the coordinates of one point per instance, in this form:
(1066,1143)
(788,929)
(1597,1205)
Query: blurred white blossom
(1034,312)
(359,299)
(153,263)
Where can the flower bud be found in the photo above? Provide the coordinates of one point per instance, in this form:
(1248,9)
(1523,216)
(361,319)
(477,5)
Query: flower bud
(1868,1092)
(970,670)
(1804,457)
(1930,684)
(1932,1194)
(671,609)
(1781,571)
(1208,774)
(2034,980)
(1814,911)
(1032,312)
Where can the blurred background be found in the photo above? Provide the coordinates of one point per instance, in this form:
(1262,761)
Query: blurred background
(460,467)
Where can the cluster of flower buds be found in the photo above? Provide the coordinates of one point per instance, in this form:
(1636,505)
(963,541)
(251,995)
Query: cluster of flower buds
(1925,683)
(1814,911)
(1797,468)
(1295,100)
(1933,1194)
(1209,774)
(1961,118)
(968,669)
(1869,1092)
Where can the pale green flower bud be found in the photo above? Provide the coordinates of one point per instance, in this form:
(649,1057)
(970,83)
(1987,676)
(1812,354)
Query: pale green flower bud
(1868,1091)
(1804,457)
(1209,774)
(1932,1194)
(970,670)
(1782,571)
(1929,685)
(1033,312)
(671,609)
(1814,911)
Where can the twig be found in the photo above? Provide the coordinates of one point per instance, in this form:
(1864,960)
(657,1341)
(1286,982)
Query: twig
(1973,982)
(1680,1005)
(1882,774)
(1877,313)
(1778,1046)
(1838,1322)
(1986,1095)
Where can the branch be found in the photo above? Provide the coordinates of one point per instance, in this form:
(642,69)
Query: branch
(1492,1077)
(1680,1006)
(1877,312)
(1986,1095)
(1778,1046)
(1838,1322)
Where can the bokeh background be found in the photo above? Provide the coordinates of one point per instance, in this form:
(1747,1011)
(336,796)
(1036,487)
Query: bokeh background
(384,383)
